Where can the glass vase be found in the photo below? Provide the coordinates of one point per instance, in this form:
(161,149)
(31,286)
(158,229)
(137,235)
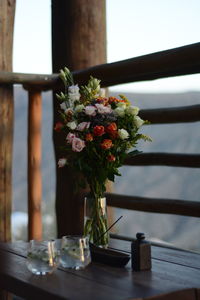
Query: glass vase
(95,221)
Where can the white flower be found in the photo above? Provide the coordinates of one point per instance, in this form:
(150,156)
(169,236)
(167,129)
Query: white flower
(79,108)
(121,104)
(132,110)
(82,126)
(77,144)
(138,121)
(102,109)
(63,106)
(70,137)
(123,134)
(73,89)
(62,162)
(72,125)
(120,111)
(74,94)
(90,110)
(74,97)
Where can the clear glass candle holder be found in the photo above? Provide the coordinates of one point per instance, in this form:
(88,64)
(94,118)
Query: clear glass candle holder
(75,252)
(42,257)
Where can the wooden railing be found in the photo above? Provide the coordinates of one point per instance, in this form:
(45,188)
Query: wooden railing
(180,61)
(169,63)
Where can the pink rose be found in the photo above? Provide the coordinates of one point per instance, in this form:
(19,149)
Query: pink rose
(77,144)
(90,110)
(82,126)
(70,137)
(102,109)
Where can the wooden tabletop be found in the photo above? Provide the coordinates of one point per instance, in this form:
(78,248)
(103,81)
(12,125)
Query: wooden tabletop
(171,270)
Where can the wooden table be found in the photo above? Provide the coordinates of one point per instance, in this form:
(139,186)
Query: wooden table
(171,270)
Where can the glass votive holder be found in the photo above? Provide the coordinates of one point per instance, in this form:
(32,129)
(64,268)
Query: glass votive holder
(75,252)
(42,257)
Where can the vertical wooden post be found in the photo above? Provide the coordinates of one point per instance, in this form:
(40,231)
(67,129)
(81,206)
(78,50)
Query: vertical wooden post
(78,41)
(34,166)
(7,12)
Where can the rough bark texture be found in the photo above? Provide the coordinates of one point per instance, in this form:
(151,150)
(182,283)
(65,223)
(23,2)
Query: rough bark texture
(34,166)
(78,41)
(79,34)
(7,10)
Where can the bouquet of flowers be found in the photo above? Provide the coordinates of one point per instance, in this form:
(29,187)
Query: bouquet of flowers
(100,132)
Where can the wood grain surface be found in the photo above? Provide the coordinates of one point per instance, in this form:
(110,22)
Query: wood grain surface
(171,270)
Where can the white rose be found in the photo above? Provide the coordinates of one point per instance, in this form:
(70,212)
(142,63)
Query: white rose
(62,162)
(123,134)
(120,111)
(138,121)
(79,108)
(102,109)
(90,110)
(72,125)
(63,106)
(132,110)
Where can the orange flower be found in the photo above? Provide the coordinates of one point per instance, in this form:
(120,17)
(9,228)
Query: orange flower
(58,126)
(111,127)
(106,144)
(99,130)
(115,100)
(89,137)
(111,157)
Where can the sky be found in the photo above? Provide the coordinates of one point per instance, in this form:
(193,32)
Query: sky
(134,28)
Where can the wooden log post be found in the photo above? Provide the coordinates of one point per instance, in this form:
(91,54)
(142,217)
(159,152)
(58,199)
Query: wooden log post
(7,12)
(78,41)
(34,166)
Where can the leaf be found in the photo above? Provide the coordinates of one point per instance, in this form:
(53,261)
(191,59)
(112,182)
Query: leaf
(111,177)
(116,172)
(133,153)
(145,138)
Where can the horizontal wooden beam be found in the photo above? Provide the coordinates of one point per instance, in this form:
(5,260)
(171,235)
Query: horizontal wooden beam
(173,62)
(165,159)
(161,244)
(35,81)
(169,63)
(172,115)
(163,206)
